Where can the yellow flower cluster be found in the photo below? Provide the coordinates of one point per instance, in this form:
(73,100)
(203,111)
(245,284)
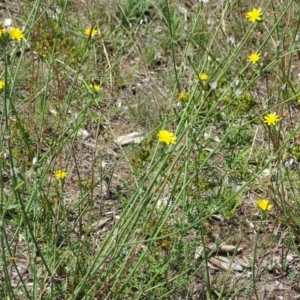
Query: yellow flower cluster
(255,15)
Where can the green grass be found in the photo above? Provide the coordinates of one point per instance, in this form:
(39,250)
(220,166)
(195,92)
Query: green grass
(129,221)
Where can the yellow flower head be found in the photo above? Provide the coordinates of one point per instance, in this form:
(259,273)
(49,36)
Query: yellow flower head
(2,85)
(60,174)
(254,15)
(95,87)
(16,34)
(90,31)
(264,204)
(167,137)
(184,97)
(203,77)
(271,119)
(254,57)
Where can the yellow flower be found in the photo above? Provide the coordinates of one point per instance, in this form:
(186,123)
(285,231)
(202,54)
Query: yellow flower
(254,57)
(167,137)
(254,15)
(2,85)
(203,77)
(16,34)
(60,174)
(184,97)
(90,31)
(264,204)
(95,87)
(271,119)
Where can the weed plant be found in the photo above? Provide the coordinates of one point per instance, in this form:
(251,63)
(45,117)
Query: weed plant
(213,86)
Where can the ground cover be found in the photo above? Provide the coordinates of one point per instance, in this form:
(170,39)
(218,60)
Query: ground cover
(149,149)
